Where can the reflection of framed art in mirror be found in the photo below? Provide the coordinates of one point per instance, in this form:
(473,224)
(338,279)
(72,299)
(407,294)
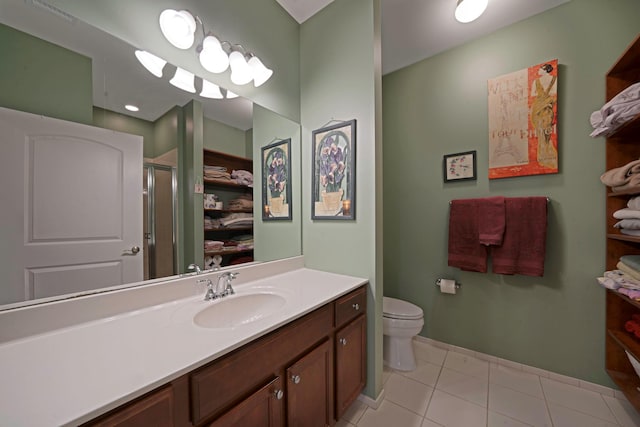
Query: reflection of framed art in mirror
(276,178)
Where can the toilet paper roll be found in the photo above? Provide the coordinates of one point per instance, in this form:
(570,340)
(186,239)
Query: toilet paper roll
(447,286)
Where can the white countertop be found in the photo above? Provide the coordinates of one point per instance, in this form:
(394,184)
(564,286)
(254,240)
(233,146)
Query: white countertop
(71,375)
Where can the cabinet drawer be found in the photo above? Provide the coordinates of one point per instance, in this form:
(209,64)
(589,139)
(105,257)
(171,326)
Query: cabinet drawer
(350,306)
(225,382)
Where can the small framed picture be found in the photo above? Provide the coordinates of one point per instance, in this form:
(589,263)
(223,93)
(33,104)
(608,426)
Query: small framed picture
(459,166)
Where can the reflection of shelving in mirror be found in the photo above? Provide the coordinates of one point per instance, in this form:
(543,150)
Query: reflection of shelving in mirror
(228,213)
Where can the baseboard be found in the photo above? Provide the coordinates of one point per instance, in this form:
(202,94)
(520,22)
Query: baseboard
(372,403)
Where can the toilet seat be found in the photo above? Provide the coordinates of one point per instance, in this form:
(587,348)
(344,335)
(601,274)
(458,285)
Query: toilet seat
(398,309)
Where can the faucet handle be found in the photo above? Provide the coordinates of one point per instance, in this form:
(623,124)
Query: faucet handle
(195,267)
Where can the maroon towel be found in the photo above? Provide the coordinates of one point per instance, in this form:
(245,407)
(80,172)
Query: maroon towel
(465,250)
(491,220)
(523,246)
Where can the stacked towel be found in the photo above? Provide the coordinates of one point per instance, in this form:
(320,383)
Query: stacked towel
(629,220)
(623,178)
(626,279)
(622,108)
(216,172)
(243,177)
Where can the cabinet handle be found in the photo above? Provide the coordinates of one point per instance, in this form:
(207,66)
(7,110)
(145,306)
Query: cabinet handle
(356,306)
(295,379)
(343,341)
(278,394)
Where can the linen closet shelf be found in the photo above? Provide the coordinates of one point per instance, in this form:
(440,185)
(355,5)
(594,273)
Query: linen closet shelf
(622,147)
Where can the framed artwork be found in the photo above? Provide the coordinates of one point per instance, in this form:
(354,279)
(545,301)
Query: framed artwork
(459,166)
(333,193)
(523,118)
(276,178)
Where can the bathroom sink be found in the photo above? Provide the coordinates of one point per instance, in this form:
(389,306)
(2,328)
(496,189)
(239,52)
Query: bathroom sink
(237,310)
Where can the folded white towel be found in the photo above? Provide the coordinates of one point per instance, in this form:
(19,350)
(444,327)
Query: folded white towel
(628,224)
(627,213)
(630,232)
(619,110)
(634,203)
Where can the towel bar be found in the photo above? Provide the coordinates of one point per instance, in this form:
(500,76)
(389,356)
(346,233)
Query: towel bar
(548,200)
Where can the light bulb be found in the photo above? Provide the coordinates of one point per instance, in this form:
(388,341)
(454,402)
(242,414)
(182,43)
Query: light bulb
(178,27)
(151,62)
(183,80)
(240,71)
(212,57)
(470,10)
(210,90)
(260,73)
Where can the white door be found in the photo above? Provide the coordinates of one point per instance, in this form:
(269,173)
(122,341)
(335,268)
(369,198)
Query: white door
(70,207)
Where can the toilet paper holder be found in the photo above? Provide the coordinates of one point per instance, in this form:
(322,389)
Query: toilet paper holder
(457,284)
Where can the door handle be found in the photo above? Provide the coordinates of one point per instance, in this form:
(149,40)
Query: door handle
(133,251)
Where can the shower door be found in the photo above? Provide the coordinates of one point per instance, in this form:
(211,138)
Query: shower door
(160,207)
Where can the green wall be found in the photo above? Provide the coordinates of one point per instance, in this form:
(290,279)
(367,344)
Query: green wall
(221,137)
(339,76)
(35,75)
(439,106)
(120,122)
(282,238)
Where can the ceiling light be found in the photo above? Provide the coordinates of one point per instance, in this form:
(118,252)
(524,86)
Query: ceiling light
(212,57)
(151,62)
(241,73)
(260,73)
(210,90)
(131,107)
(183,80)
(178,27)
(470,10)
(231,95)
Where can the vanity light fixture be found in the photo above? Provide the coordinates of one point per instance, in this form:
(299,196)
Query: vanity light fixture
(183,79)
(210,90)
(212,56)
(178,27)
(470,10)
(151,62)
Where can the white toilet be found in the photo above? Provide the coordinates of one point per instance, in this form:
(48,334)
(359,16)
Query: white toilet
(401,321)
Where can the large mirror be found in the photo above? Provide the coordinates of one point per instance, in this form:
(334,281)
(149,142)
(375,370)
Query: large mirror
(172,235)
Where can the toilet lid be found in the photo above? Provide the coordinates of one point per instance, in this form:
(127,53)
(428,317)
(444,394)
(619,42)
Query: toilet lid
(399,309)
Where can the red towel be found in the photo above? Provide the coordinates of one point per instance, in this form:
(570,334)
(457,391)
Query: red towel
(491,220)
(465,250)
(523,246)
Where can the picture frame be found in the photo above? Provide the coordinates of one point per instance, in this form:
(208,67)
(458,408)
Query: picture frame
(276,179)
(333,192)
(459,166)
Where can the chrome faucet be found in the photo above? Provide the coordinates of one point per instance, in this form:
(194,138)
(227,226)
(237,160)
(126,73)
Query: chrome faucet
(210,295)
(195,267)
(227,278)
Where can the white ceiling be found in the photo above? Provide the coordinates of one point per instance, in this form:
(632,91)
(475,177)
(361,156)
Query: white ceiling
(412,30)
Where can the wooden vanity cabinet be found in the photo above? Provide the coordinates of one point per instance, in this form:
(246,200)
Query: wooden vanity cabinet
(350,349)
(306,373)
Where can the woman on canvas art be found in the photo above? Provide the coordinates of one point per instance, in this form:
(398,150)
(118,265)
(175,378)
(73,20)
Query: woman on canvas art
(544,95)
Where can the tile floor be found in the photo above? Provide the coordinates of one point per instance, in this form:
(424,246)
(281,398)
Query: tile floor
(455,389)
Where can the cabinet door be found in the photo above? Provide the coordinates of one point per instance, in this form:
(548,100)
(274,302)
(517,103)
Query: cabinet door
(264,408)
(350,362)
(155,409)
(309,389)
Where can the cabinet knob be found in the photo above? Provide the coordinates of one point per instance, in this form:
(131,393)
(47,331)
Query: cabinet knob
(295,379)
(278,394)
(343,341)
(356,306)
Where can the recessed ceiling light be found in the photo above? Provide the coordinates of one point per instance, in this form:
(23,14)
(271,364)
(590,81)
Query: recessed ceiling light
(131,107)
